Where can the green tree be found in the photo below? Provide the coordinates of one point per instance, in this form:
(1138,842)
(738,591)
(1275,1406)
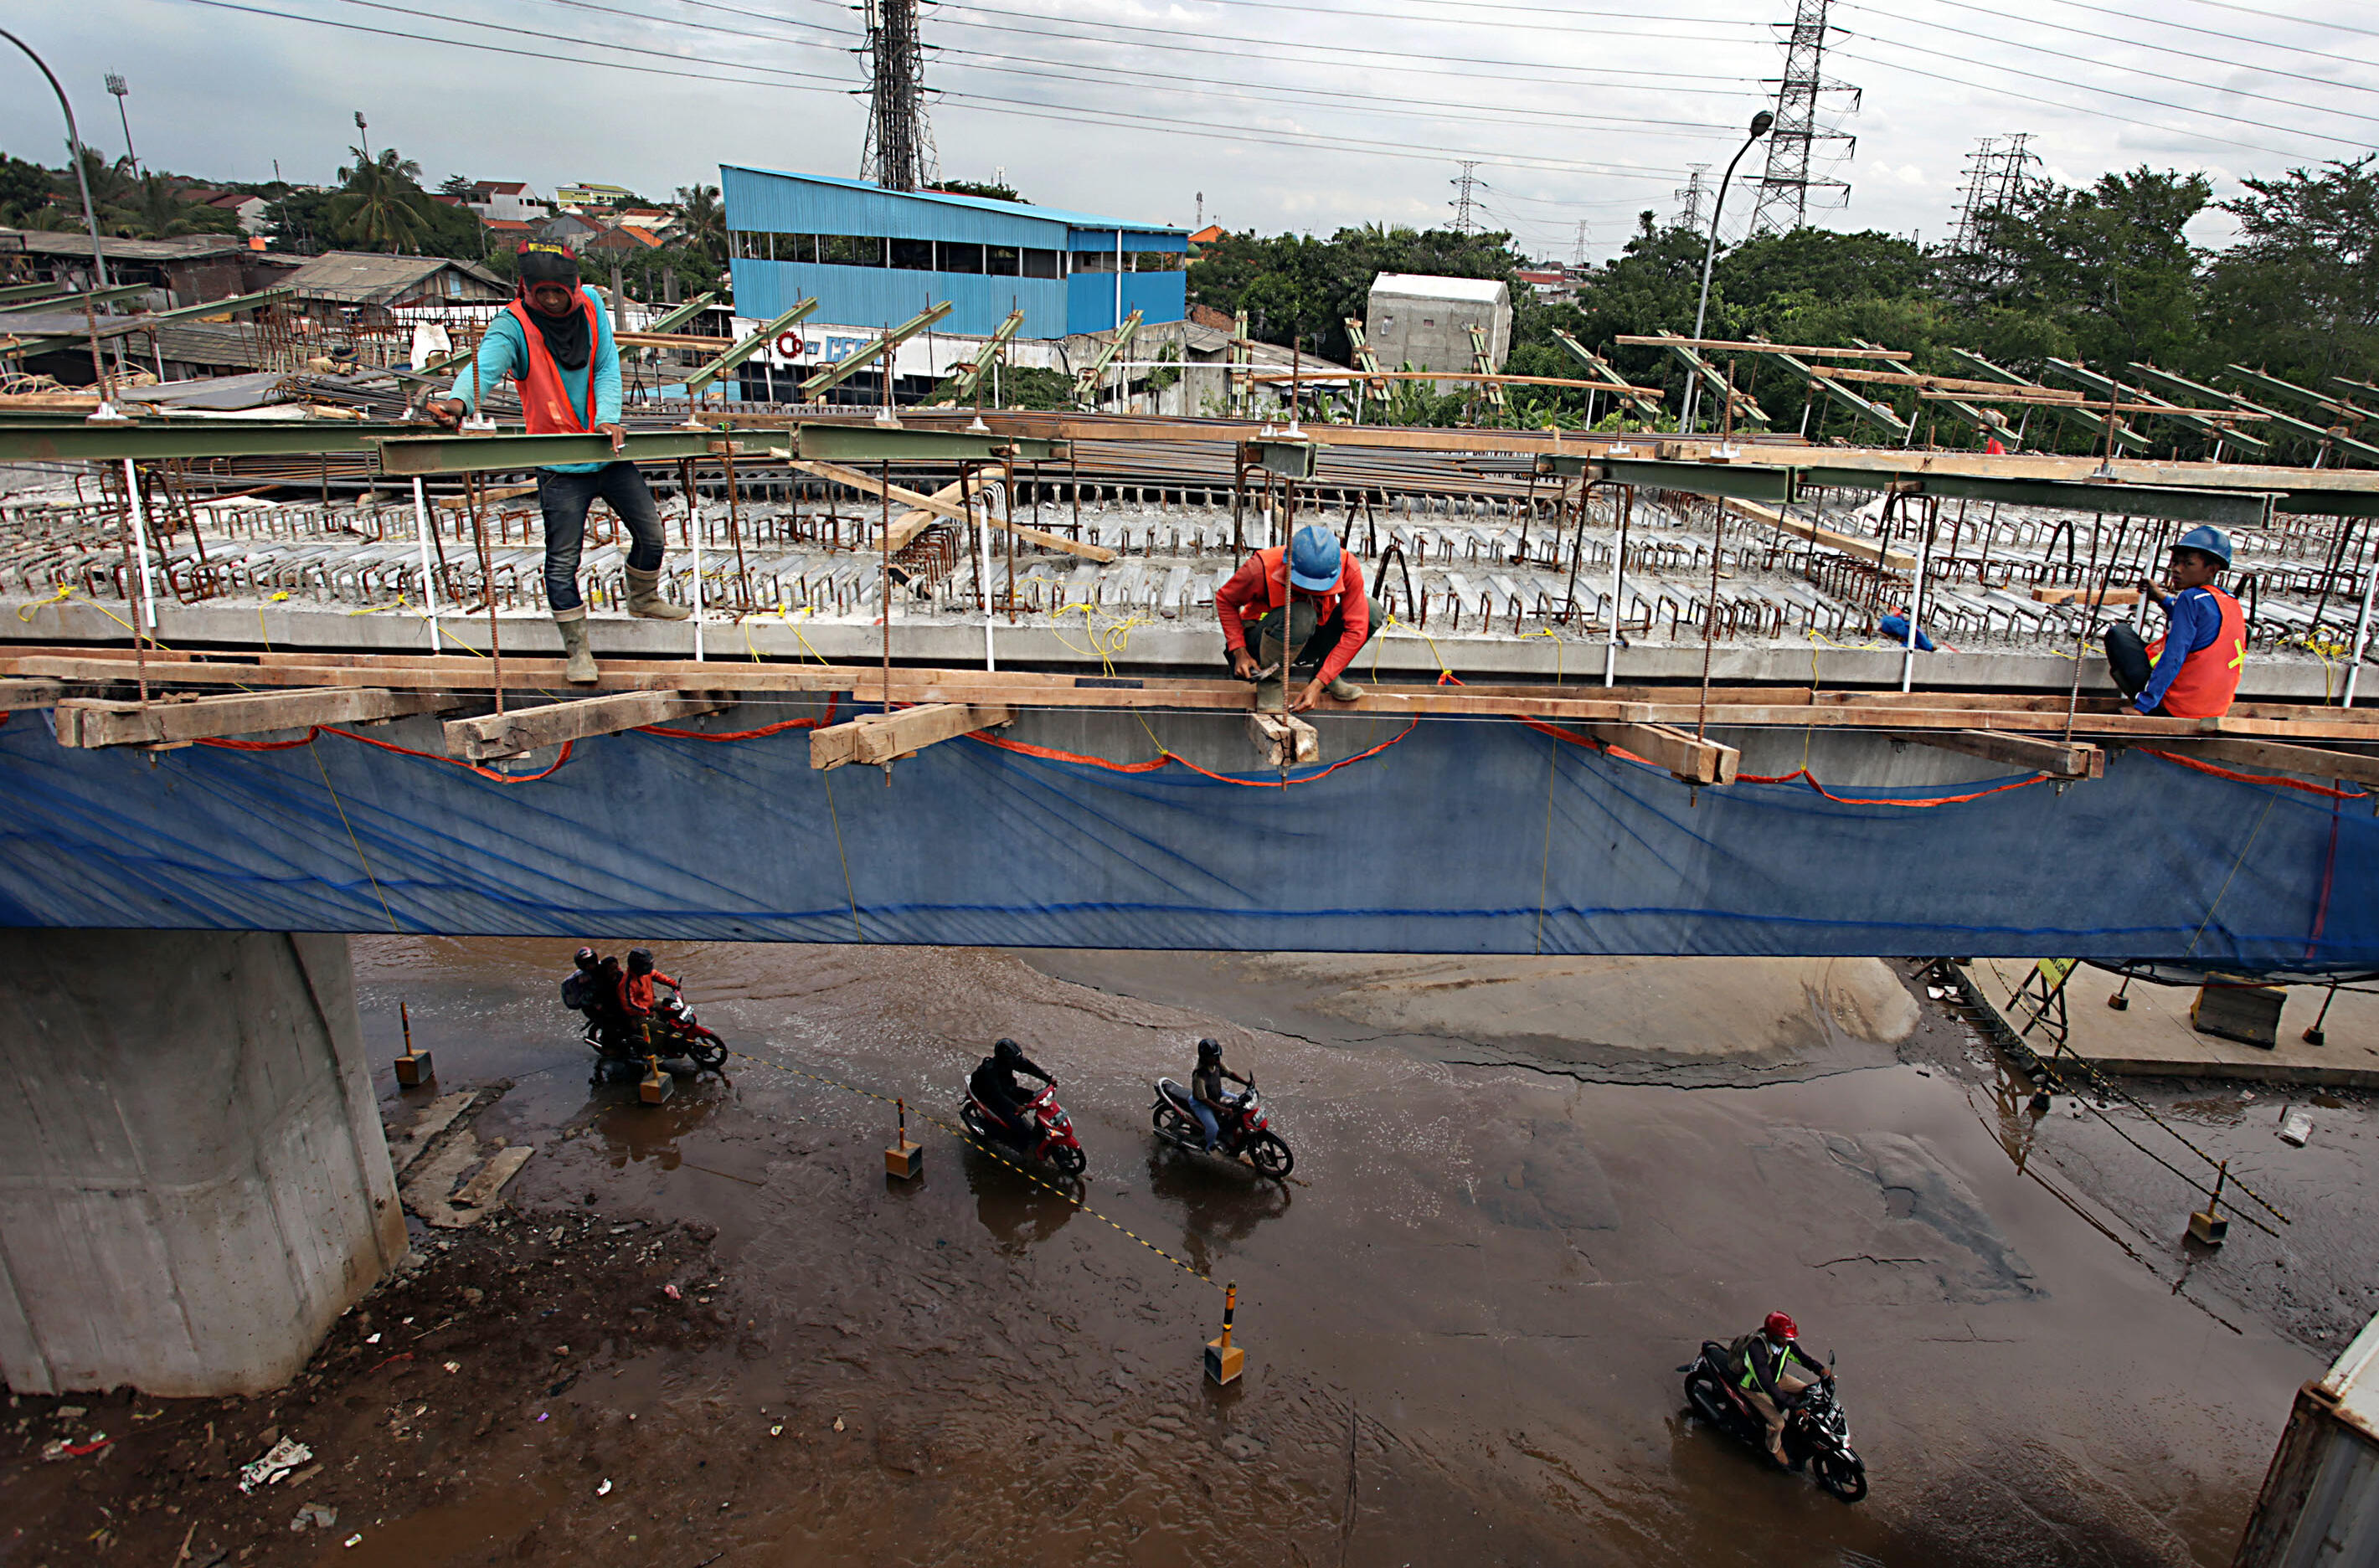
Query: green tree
(381,205)
(2108,267)
(989,191)
(703,221)
(24,190)
(2299,293)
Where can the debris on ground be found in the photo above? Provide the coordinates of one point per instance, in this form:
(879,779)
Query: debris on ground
(279,1460)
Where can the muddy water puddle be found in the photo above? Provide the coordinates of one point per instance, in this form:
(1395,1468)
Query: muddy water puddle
(1463,1313)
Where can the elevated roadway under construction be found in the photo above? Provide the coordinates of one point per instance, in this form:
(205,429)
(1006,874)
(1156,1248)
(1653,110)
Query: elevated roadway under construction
(1632,699)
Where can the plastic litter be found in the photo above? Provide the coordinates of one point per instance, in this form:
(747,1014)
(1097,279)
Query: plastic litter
(279,1460)
(605,1489)
(838,1423)
(2296,1127)
(352,1542)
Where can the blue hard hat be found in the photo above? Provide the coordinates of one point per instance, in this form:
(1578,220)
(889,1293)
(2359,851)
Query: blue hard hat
(2207,541)
(1313,559)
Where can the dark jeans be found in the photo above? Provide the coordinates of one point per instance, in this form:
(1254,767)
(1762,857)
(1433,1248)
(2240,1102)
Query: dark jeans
(564,499)
(1313,643)
(2128,662)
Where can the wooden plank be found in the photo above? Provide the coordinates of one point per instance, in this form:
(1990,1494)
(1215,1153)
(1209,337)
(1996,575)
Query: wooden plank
(2086,596)
(943,502)
(2312,761)
(2058,759)
(527,729)
(1695,761)
(1863,550)
(85,722)
(882,736)
(1666,340)
(16,694)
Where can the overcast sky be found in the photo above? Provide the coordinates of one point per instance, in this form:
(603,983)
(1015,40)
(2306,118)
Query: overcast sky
(1296,115)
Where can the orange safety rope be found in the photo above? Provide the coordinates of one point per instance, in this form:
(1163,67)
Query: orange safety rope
(307,740)
(1800,774)
(1166,758)
(2322,790)
(820,722)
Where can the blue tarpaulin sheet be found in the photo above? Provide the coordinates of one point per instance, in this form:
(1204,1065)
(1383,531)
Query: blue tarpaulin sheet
(1463,838)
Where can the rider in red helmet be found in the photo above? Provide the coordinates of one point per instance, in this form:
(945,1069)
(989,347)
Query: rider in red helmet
(1760,1363)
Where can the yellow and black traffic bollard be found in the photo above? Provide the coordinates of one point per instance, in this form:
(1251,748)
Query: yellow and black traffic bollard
(413,1069)
(904,1159)
(1224,1360)
(657,1085)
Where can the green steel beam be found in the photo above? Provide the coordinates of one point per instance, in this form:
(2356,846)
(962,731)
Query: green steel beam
(1986,421)
(2264,381)
(417,453)
(2231,509)
(1776,485)
(147,439)
(1564,466)
(700,379)
(2344,443)
(1291,459)
(2093,426)
(225,306)
(77,301)
(880,443)
(972,377)
(1088,378)
(1601,369)
(2187,387)
(30,291)
(1696,366)
(2191,419)
(1875,414)
(835,374)
(682,315)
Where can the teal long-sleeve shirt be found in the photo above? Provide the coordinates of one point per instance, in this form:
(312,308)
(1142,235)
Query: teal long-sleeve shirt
(502,352)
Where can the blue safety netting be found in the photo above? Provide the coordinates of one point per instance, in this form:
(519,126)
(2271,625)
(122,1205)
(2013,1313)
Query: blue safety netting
(1463,838)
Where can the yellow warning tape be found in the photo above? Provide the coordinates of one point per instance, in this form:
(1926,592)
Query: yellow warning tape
(962,1134)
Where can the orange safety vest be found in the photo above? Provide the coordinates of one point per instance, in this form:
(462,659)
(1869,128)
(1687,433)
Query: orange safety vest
(1276,578)
(544,399)
(2209,678)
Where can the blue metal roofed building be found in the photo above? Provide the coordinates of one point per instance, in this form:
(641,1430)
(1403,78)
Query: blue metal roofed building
(875,258)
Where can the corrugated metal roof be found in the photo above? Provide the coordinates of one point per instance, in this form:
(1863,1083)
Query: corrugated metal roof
(369,277)
(71,242)
(970,203)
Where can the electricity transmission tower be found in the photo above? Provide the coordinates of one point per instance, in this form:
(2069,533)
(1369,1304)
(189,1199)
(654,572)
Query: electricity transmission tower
(1577,251)
(1692,194)
(1996,177)
(1784,195)
(899,151)
(1469,185)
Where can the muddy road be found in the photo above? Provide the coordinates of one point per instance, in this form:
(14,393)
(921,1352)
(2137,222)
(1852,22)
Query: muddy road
(1522,1197)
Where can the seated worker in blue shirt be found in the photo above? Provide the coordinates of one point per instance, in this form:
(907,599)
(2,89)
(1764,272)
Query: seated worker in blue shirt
(556,343)
(2193,670)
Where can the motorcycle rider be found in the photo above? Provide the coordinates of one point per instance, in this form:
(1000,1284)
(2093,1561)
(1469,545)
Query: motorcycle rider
(994,1083)
(1209,1102)
(635,994)
(1759,1362)
(580,990)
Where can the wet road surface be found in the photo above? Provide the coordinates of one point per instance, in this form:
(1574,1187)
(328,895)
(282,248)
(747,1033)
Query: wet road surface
(1463,1314)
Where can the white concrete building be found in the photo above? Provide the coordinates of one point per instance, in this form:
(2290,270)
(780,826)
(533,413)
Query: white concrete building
(1426,321)
(508,199)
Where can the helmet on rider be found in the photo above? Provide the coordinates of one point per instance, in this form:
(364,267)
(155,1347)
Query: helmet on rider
(586,959)
(1210,1050)
(1779,1326)
(640,960)
(1006,1051)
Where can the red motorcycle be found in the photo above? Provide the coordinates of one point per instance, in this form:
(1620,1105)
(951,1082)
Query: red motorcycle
(1248,1132)
(1047,1135)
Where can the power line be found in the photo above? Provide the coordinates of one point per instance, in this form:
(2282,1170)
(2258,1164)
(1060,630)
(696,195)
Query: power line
(2284,17)
(2138,71)
(2131,42)
(2108,92)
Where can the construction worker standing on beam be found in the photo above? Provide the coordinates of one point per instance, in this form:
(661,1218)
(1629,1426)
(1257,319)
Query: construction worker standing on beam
(2193,670)
(1315,587)
(556,343)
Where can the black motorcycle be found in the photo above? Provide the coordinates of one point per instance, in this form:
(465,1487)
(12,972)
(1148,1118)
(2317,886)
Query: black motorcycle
(1816,1430)
(676,1036)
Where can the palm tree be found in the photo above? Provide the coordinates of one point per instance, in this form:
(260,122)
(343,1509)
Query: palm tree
(382,206)
(702,220)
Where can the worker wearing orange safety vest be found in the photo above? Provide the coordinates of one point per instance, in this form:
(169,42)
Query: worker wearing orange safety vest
(1319,588)
(555,344)
(2193,670)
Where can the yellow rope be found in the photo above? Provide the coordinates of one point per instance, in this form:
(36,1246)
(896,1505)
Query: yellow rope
(2268,798)
(825,776)
(313,748)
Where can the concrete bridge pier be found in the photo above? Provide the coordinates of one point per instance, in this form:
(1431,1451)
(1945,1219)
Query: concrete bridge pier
(193,1180)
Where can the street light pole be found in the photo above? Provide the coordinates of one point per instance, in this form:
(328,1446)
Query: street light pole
(89,215)
(1759,125)
(115,85)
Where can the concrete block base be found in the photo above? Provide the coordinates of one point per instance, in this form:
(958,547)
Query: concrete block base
(193,1180)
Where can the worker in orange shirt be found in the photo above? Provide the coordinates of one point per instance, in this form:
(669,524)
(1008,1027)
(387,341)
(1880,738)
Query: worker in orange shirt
(1317,590)
(2193,670)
